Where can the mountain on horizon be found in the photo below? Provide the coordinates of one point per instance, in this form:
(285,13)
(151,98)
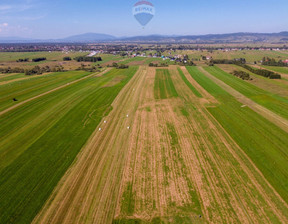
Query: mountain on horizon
(89,37)
(278,38)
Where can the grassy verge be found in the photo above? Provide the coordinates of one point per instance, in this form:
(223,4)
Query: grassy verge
(31,175)
(262,141)
(163,85)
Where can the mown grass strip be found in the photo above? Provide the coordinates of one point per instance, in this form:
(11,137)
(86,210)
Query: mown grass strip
(9,77)
(27,182)
(163,85)
(283,70)
(273,102)
(262,141)
(25,89)
(191,87)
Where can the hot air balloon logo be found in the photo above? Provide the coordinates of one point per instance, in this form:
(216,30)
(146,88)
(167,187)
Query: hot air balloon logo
(143,12)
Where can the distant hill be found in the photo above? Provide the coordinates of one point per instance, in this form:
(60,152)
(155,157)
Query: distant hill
(15,40)
(277,38)
(214,38)
(89,37)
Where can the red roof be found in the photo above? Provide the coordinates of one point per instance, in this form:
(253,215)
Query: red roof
(143,3)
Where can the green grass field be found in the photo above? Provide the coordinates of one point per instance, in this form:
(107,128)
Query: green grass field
(25,89)
(40,140)
(262,141)
(163,86)
(283,70)
(273,102)
(11,77)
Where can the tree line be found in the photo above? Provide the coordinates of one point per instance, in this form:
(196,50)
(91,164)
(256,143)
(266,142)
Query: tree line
(272,62)
(87,59)
(39,59)
(116,65)
(37,70)
(242,63)
(157,65)
(242,75)
(22,60)
(262,72)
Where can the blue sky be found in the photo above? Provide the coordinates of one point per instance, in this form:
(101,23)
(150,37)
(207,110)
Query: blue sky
(61,18)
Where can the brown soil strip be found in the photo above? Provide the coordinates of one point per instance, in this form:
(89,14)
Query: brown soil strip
(269,115)
(51,91)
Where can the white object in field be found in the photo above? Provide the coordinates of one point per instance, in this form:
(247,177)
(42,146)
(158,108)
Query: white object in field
(128,127)
(105,122)
(127,115)
(100,129)
(243,106)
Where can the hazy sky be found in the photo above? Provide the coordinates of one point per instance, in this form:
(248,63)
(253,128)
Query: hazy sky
(61,18)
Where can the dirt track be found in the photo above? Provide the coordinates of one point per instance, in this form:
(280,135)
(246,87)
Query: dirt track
(165,165)
(50,91)
(269,115)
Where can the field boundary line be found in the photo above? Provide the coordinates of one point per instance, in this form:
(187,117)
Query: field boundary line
(267,114)
(53,90)
(21,79)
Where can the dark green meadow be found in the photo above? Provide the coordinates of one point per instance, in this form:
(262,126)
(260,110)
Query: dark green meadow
(163,86)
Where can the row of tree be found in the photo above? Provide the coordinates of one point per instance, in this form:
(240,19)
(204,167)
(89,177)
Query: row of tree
(157,65)
(116,65)
(22,60)
(242,75)
(11,70)
(262,72)
(67,59)
(39,59)
(37,70)
(88,68)
(87,59)
(272,62)
(227,61)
